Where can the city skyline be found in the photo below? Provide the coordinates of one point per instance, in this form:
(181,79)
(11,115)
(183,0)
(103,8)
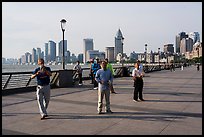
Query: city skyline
(27,25)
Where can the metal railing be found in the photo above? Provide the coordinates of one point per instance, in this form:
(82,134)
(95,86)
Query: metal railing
(13,80)
(22,80)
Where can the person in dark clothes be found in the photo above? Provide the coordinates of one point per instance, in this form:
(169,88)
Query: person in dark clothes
(95,67)
(42,74)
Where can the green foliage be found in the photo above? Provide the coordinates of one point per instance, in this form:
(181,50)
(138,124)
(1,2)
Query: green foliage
(195,60)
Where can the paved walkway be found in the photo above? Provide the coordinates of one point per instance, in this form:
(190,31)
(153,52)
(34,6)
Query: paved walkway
(173,106)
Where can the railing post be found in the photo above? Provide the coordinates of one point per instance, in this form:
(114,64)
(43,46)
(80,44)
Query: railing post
(28,82)
(7,81)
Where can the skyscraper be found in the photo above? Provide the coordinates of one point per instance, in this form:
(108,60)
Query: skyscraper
(27,57)
(183,46)
(39,53)
(34,56)
(51,50)
(118,43)
(195,36)
(179,37)
(46,52)
(80,57)
(61,49)
(88,45)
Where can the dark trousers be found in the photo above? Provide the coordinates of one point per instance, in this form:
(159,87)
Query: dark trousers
(138,84)
(95,82)
(198,68)
(92,77)
(80,78)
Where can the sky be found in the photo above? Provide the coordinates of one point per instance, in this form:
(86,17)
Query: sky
(28,25)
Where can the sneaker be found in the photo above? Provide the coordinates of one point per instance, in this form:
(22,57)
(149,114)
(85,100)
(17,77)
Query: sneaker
(80,84)
(135,100)
(96,88)
(113,92)
(99,112)
(109,111)
(142,99)
(43,117)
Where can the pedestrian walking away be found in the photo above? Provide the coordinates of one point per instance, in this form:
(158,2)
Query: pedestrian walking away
(42,73)
(104,79)
(137,75)
(79,70)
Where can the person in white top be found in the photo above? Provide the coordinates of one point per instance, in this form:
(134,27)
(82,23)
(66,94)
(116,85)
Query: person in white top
(137,75)
(79,70)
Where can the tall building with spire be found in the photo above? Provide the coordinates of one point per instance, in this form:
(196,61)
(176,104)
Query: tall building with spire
(118,43)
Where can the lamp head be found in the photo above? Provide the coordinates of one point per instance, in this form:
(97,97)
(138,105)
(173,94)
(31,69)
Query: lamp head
(63,23)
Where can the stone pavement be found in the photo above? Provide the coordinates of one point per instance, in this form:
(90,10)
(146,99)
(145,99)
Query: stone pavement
(173,106)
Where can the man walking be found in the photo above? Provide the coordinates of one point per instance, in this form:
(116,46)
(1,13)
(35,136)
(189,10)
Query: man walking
(43,74)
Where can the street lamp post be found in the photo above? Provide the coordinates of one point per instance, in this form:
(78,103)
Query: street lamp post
(146,68)
(65,78)
(63,23)
(145,54)
(159,58)
(122,40)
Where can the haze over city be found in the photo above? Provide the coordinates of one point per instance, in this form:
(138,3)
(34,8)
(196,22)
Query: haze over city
(27,25)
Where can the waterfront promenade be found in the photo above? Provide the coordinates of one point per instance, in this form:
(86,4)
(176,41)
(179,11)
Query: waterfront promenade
(173,106)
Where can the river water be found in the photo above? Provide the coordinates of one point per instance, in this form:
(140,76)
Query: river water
(29,68)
